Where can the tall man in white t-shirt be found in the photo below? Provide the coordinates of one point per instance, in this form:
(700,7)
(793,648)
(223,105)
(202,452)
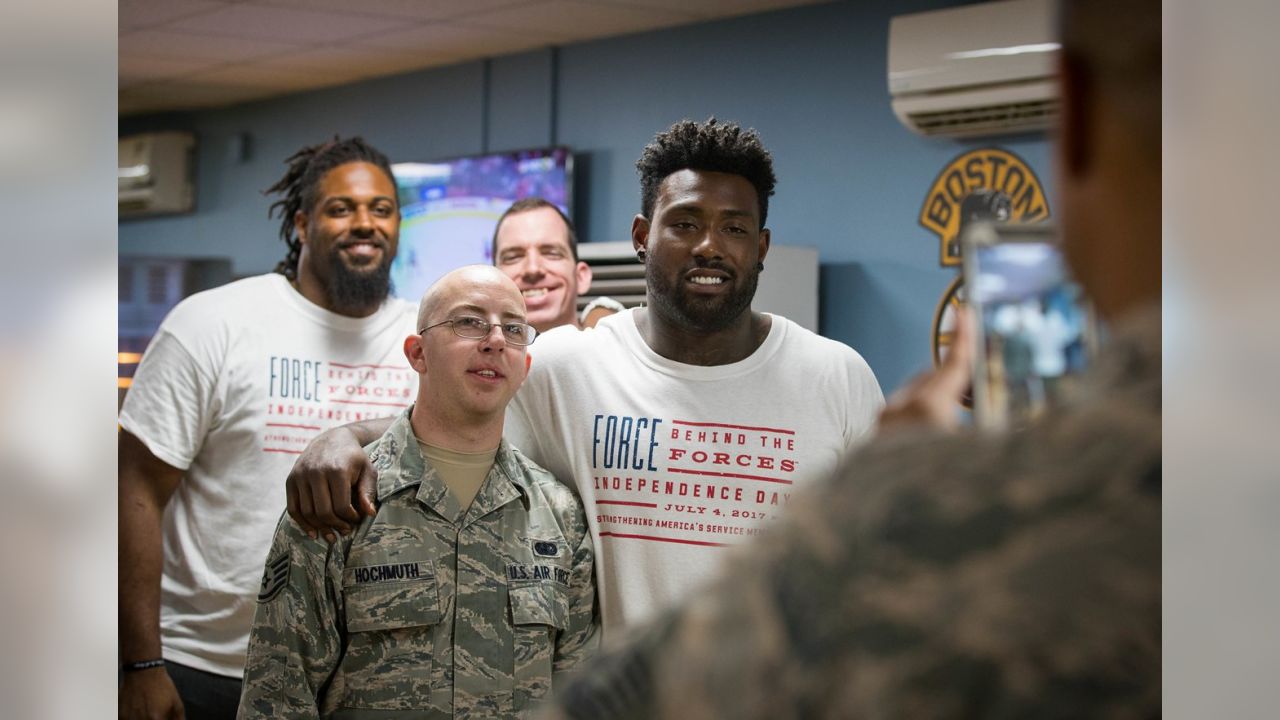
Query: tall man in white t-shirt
(685,425)
(980,574)
(235,383)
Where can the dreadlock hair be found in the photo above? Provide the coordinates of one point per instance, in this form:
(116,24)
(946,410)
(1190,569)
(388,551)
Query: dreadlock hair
(298,186)
(534,203)
(712,147)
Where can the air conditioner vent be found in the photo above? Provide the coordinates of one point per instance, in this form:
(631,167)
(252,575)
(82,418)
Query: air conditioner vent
(156,174)
(1009,117)
(616,272)
(979,69)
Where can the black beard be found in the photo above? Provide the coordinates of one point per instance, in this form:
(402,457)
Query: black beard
(356,291)
(706,315)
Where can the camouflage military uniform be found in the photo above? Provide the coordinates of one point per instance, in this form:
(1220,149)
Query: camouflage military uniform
(937,577)
(426,611)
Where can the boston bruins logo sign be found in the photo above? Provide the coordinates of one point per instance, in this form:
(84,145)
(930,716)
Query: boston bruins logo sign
(984,184)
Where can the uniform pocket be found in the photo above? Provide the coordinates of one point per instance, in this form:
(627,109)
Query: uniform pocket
(541,603)
(539,613)
(392,617)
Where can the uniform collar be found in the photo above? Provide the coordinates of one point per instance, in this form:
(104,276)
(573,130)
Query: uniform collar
(400,465)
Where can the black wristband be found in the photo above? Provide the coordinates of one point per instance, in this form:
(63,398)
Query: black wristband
(143,665)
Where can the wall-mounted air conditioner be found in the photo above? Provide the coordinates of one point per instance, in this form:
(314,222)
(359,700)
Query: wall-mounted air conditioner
(975,70)
(788,286)
(156,174)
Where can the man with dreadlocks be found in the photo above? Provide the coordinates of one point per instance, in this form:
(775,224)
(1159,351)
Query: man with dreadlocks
(687,424)
(235,382)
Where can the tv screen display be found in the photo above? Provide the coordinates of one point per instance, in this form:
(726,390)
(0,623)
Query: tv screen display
(450,208)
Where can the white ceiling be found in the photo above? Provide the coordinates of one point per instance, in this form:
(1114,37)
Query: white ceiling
(184,54)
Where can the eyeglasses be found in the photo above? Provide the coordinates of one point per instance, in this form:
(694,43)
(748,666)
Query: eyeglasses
(474,328)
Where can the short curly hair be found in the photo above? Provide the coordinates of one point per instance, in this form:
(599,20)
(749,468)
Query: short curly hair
(300,183)
(712,146)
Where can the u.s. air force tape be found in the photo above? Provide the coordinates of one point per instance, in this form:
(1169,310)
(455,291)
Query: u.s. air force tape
(274,578)
(526,571)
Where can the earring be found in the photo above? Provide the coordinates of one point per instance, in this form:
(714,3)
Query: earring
(759,267)
(640,255)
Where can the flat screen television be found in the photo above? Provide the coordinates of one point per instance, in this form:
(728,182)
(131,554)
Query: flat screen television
(449,208)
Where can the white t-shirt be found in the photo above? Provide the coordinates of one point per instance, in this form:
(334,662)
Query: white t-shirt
(675,462)
(235,383)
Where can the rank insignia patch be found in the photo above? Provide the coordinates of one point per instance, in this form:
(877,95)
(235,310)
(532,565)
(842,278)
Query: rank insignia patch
(385,455)
(274,578)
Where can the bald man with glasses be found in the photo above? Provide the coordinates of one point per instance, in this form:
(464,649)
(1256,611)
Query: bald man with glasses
(473,586)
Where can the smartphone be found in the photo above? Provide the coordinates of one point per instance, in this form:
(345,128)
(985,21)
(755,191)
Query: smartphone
(1037,332)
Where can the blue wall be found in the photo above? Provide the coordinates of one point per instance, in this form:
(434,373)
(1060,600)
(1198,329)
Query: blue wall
(811,80)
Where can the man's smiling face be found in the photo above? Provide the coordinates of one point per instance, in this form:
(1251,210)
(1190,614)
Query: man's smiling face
(703,245)
(350,235)
(532,248)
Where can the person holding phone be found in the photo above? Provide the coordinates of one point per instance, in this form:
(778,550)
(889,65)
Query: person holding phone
(966,573)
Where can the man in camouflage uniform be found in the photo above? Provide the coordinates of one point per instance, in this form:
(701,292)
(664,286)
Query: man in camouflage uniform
(967,575)
(454,600)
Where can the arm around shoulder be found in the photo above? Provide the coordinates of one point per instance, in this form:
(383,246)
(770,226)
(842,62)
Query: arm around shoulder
(329,471)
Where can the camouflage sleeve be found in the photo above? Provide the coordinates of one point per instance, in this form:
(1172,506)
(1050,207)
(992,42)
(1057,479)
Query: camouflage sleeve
(910,594)
(295,643)
(579,640)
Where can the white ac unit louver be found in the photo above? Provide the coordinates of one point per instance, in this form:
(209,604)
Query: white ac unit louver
(616,272)
(155,174)
(976,70)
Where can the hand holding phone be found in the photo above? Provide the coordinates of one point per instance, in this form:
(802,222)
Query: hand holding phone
(1036,330)
(933,399)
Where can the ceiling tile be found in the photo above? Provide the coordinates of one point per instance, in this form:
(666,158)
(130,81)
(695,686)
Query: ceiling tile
(183,54)
(128,104)
(180,46)
(574,20)
(136,14)
(285,24)
(458,40)
(186,95)
(414,9)
(355,62)
(711,8)
(140,68)
(257,76)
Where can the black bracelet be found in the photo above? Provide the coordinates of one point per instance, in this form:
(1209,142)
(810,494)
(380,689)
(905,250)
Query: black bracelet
(143,665)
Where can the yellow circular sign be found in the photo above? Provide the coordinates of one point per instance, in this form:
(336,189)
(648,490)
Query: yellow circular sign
(984,184)
(944,319)
(944,326)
